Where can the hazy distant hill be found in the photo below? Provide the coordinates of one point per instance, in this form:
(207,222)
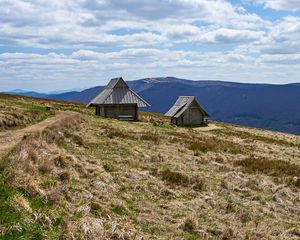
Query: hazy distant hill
(86,95)
(275,107)
(58,96)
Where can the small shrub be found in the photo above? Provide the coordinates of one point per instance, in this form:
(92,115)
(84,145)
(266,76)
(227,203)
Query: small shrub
(174,177)
(78,140)
(29,168)
(230,207)
(81,170)
(196,182)
(75,138)
(46,167)
(200,146)
(157,158)
(219,159)
(190,224)
(65,176)
(196,153)
(108,167)
(295,232)
(291,181)
(224,184)
(244,216)
(33,156)
(228,234)
(216,232)
(199,183)
(296,182)
(60,161)
(153,171)
(96,208)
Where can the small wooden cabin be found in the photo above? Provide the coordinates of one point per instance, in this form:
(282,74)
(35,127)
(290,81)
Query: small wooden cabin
(118,101)
(187,112)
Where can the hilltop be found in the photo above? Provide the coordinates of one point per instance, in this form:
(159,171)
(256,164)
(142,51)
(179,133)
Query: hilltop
(65,173)
(267,106)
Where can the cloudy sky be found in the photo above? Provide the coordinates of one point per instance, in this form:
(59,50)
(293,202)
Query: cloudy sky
(64,44)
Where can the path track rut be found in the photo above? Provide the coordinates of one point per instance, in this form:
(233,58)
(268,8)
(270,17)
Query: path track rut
(10,138)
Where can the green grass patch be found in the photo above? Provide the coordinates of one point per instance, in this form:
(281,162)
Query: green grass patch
(150,136)
(75,138)
(163,125)
(260,138)
(8,215)
(213,144)
(190,236)
(174,177)
(275,168)
(119,211)
(108,167)
(177,178)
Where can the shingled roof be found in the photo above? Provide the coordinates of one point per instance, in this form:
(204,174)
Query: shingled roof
(181,105)
(118,92)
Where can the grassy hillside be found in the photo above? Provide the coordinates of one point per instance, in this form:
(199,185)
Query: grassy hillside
(19,111)
(92,178)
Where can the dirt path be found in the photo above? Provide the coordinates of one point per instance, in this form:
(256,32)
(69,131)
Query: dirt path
(9,138)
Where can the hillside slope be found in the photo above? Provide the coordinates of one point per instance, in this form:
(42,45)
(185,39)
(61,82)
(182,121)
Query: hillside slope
(92,178)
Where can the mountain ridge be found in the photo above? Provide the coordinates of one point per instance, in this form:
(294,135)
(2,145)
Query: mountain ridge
(267,106)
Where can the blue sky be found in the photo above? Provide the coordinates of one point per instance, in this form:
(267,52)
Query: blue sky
(62,44)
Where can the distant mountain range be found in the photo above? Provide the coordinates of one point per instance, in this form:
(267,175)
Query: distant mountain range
(274,107)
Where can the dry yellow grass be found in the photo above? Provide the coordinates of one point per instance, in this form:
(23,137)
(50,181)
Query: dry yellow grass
(95,178)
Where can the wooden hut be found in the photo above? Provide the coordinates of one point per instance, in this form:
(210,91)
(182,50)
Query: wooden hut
(118,101)
(187,112)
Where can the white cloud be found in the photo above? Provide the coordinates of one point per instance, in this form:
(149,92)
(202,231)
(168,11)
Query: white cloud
(293,59)
(59,71)
(189,38)
(94,23)
(231,36)
(283,37)
(290,5)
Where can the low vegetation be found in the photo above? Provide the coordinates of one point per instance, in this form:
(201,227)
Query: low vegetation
(261,138)
(87,177)
(13,117)
(18,111)
(277,168)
